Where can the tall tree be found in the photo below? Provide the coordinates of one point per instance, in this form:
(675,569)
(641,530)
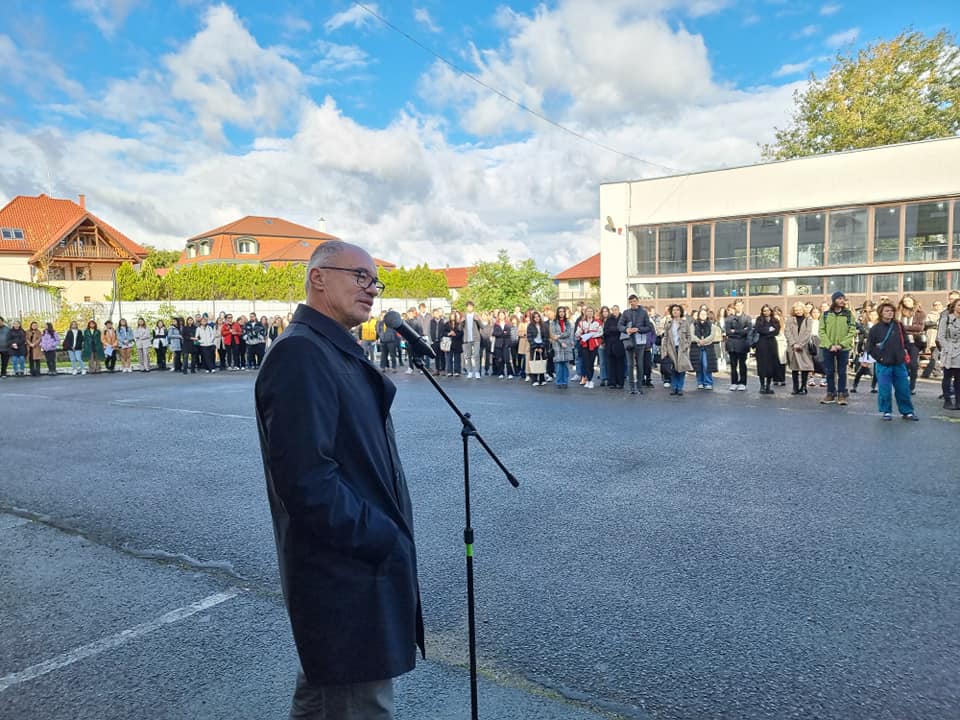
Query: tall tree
(902,90)
(160,258)
(503,284)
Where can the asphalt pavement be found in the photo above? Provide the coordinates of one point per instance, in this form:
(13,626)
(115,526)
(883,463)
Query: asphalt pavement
(719,555)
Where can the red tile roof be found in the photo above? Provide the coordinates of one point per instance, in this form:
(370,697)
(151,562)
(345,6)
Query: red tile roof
(457,277)
(279,241)
(46,220)
(589,269)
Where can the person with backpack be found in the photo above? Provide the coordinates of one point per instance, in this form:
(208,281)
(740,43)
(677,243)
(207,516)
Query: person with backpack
(838,330)
(886,343)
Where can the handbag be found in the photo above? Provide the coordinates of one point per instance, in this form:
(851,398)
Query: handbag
(813,348)
(537,365)
(593,343)
(445,344)
(629,341)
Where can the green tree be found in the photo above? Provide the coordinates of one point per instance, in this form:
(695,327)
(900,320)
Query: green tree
(160,258)
(902,90)
(503,284)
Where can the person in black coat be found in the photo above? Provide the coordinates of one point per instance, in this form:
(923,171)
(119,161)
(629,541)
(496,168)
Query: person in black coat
(342,517)
(437,331)
(737,331)
(538,335)
(768,356)
(616,355)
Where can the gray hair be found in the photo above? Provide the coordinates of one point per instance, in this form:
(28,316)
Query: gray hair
(324,253)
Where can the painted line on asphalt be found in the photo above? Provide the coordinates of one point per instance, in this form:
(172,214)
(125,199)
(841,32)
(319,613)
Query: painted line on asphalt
(114,641)
(8,522)
(128,404)
(26,395)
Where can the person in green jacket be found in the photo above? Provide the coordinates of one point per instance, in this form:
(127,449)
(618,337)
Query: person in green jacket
(92,346)
(838,329)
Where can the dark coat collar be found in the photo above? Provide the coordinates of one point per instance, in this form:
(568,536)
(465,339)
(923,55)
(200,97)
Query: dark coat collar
(329,328)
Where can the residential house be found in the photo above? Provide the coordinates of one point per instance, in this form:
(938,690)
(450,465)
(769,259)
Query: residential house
(580,282)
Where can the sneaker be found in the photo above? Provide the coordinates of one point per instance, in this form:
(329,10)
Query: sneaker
(83,372)
(500,377)
(887,416)
(526,379)
(589,384)
(509,377)
(911,416)
(841,400)
(829,400)
(409,371)
(536,384)
(700,387)
(708,387)
(575,378)
(741,388)
(733,387)
(73,371)
(666,384)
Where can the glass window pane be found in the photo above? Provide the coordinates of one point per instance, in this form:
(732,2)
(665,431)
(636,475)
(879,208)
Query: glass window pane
(730,243)
(886,283)
(643,251)
(701,249)
(956,231)
(848,237)
(810,236)
(673,249)
(809,286)
(926,232)
(766,243)
(766,286)
(643,291)
(886,234)
(700,290)
(846,283)
(730,288)
(924,281)
(955,283)
(672,290)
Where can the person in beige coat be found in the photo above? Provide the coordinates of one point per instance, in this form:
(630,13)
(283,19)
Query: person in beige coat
(675,348)
(798,332)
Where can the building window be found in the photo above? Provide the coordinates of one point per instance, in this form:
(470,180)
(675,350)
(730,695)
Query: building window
(848,237)
(204,247)
(247,246)
(811,233)
(886,234)
(81,273)
(644,250)
(730,288)
(730,241)
(808,286)
(955,283)
(191,251)
(701,249)
(56,273)
(766,243)
(846,283)
(643,291)
(956,232)
(672,290)
(700,289)
(12,233)
(766,286)
(673,249)
(929,281)
(886,283)
(574,286)
(926,232)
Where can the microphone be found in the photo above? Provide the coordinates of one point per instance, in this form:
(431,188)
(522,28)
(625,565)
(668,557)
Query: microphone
(417,344)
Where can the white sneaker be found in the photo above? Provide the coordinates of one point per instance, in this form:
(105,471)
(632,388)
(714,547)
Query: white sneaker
(409,371)
(73,371)
(666,384)
(536,384)
(476,376)
(590,384)
(509,377)
(734,387)
(527,379)
(699,387)
(741,388)
(83,372)
(501,377)
(574,378)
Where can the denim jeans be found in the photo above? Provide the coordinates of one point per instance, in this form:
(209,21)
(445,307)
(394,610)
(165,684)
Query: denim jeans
(357,701)
(635,366)
(835,368)
(704,376)
(18,363)
(469,358)
(602,353)
(676,380)
(76,359)
(563,373)
(897,379)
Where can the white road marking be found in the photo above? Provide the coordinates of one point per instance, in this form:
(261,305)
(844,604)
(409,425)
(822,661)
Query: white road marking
(182,410)
(12,521)
(108,643)
(26,395)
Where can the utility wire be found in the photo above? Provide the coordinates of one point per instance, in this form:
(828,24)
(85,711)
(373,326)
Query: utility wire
(506,97)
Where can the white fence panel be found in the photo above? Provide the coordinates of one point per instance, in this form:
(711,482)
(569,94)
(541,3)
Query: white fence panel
(18,299)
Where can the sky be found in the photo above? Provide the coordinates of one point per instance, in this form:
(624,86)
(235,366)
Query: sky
(176,116)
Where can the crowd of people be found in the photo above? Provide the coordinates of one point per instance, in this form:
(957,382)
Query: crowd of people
(819,346)
(608,348)
(185,345)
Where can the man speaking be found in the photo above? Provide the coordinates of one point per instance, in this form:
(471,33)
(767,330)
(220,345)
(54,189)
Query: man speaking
(342,517)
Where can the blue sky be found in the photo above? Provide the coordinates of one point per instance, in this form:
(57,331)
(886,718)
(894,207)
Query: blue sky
(195,113)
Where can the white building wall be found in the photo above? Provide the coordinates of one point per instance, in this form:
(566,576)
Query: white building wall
(897,172)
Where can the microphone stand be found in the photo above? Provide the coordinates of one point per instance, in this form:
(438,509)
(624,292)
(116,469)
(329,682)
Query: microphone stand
(468,430)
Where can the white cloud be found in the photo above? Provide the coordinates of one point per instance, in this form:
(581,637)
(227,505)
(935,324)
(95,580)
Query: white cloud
(830,9)
(23,67)
(422,16)
(752,20)
(807,31)
(354,16)
(294,24)
(792,68)
(107,15)
(840,39)
(337,58)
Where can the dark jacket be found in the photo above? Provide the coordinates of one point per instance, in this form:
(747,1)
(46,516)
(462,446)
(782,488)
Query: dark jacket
(544,337)
(17,341)
(501,336)
(737,331)
(73,340)
(699,331)
(456,340)
(886,349)
(638,318)
(768,355)
(342,517)
(437,329)
(189,336)
(611,337)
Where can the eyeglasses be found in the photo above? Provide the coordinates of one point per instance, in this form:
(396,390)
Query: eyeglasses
(364,279)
